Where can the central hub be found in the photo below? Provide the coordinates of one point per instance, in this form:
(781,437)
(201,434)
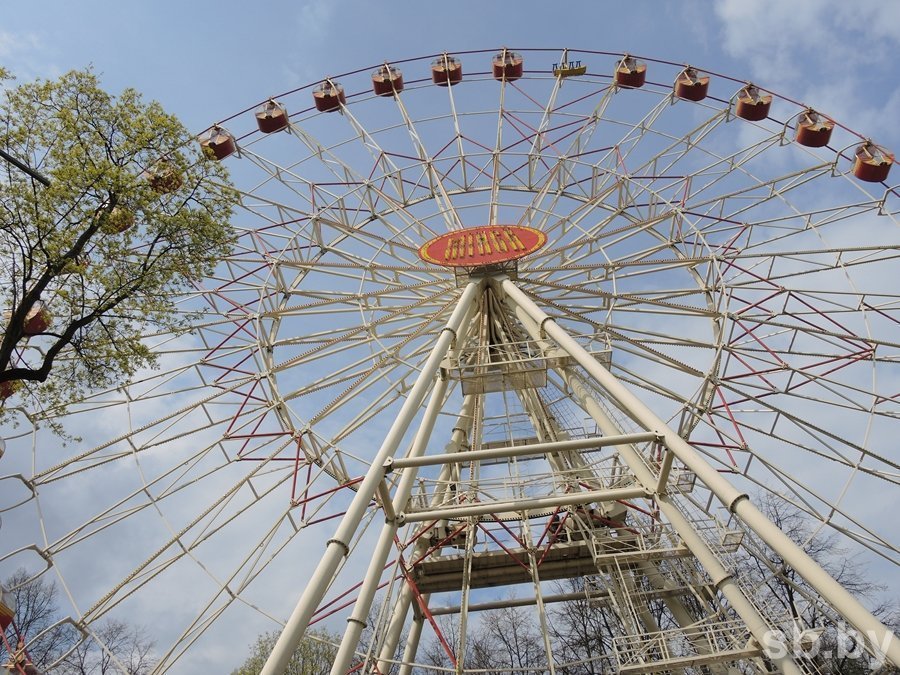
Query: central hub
(482,246)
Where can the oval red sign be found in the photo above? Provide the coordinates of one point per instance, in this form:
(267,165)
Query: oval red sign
(483,245)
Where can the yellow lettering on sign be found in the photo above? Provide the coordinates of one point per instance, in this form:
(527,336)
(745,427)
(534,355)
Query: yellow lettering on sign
(482,245)
(498,242)
(515,239)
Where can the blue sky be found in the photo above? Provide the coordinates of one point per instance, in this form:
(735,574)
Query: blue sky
(205,61)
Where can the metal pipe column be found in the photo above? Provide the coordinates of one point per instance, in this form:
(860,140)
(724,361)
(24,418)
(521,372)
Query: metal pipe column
(401,606)
(339,545)
(358,618)
(721,578)
(880,639)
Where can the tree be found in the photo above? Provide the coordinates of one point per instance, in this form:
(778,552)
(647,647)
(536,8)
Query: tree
(581,630)
(507,640)
(116,644)
(134,214)
(37,609)
(314,656)
(110,646)
(837,649)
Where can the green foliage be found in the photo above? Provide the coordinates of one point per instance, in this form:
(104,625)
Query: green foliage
(314,656)
(62,245)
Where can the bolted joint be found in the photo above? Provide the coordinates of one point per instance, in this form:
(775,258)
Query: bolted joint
(737,500)
(339,543)
(542,331)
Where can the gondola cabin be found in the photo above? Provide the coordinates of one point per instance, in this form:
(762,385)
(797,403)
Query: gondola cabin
(329,96)
(7,606)
(8,388)
(164,177)
(446,71)
(631,73)
(271,116)
(752,104)
(813,129)
(217,143)
(569,69)
(116,221)
(507,66)
(387,81)
(37,320)
(872,163)
(691,85)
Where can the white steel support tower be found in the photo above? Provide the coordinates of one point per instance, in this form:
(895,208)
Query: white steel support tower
(611,508)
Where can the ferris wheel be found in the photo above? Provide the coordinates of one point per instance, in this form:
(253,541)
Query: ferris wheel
(495,320)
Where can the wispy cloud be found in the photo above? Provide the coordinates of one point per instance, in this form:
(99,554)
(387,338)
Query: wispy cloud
(21,52)
(314,23)
(12,43)
(852,46)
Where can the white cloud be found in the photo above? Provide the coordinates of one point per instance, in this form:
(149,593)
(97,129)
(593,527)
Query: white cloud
(11,43)
(316,16)
(19,53)
(837,57)
(774,33)
(314,30)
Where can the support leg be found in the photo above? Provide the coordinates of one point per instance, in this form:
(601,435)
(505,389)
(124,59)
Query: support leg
(339,545)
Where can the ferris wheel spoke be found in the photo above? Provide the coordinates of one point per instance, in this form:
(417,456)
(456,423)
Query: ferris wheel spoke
(400,312)
(722,169)
(819,447)
(496,161)
(380,370)
(665,160)
(586,246)
(352,372)
(381,159)
(334,211)
(93,456)
(371,413)
(343,272)
(324,303)
(157,563)
(757,193)
(252,566)
(816,432)
(745,276)
(448,214)
(623,301)
(560,172)
(633,377)
(328,158)
(749,323)
(805,498)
